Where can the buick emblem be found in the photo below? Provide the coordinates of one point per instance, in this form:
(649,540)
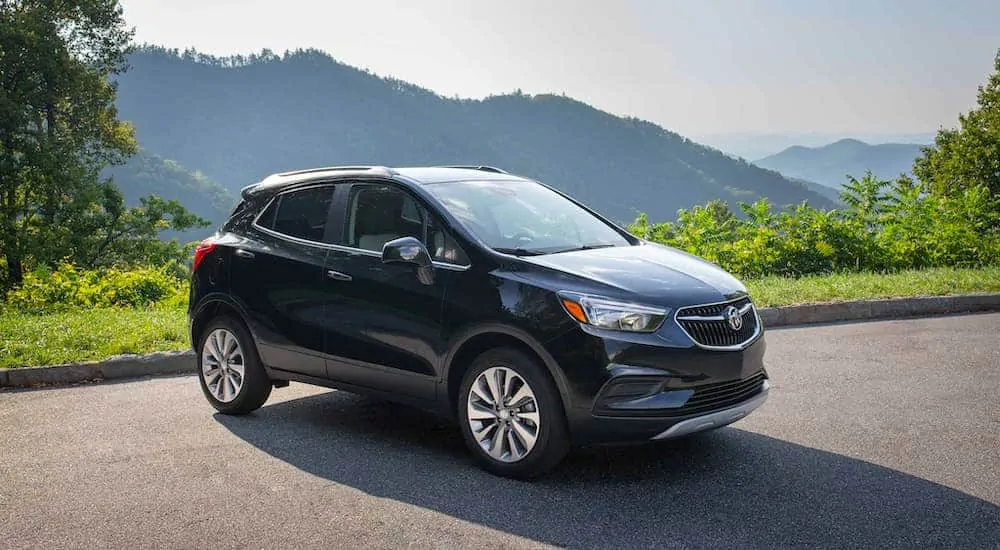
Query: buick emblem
(733,317)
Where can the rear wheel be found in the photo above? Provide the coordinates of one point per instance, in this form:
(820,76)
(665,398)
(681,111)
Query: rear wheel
(511,416)
(229,369)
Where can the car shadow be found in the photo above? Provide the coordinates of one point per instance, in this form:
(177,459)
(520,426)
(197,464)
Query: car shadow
(730,487)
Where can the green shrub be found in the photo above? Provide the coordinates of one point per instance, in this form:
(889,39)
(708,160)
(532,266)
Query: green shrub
(886,226)
(67,287)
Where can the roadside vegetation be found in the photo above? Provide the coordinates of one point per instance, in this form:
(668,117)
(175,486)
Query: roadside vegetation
(83,277)
(89,334)
(884,227)
(46,323)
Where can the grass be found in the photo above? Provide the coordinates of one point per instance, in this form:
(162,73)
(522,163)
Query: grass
(28,340)
(50,339)
(776,291)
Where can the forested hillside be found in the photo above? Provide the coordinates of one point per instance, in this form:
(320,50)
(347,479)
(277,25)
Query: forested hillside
(829,192)
(829,165)
(239,119)
(147,173)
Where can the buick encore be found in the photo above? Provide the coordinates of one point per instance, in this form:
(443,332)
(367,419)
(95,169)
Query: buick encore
(530,320)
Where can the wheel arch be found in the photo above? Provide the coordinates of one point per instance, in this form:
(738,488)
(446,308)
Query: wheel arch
(211,307)
(477,340)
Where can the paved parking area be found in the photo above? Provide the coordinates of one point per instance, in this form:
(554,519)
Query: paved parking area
(882,434)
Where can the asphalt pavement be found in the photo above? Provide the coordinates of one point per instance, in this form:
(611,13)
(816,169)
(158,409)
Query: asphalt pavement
(880,434)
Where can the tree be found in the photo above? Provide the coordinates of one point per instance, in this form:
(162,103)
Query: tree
(59,128)
(968,156)
(129,236)
(865,198)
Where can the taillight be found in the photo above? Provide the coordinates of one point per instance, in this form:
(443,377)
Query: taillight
(203,248)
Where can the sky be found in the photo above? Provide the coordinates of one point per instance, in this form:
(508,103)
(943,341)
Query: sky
(714,69)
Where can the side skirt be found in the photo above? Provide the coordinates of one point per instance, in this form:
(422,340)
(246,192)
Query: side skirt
(280,377)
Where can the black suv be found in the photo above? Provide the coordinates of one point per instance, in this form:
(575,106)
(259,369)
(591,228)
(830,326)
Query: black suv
(518,312)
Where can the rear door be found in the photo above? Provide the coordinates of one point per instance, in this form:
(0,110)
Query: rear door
(278,275)
(385,327)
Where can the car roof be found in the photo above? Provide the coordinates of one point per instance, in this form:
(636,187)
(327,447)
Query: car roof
(439,174)
(417,174)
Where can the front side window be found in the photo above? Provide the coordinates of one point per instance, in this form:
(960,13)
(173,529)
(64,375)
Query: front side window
(377,214)
(301,214)
(523,217)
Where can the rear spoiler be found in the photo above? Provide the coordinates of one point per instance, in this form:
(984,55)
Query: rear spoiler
(248,191)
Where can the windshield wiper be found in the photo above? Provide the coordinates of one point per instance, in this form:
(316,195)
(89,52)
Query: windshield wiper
(520,251)
(585,247)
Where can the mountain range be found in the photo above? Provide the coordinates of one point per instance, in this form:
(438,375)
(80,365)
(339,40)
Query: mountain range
(830,164)
(755,145)
(228,122)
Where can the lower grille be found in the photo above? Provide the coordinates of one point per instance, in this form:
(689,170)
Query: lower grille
(652,397)
(729,325)
(721,395)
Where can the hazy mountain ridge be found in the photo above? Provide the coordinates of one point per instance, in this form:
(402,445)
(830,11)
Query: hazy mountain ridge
(830,164)
(239,119)
(759,145)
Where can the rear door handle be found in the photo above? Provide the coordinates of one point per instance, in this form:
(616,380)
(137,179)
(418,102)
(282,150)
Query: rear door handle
(244,254)
(338,275)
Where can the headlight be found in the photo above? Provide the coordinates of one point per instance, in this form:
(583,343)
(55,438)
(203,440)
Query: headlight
(613,315)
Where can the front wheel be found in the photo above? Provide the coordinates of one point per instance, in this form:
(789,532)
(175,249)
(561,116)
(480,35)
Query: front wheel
(511,416)
(229,370)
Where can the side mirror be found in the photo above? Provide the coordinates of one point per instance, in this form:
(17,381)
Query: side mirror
(409,250)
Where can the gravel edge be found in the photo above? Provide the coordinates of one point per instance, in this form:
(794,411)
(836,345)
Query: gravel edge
(181,362)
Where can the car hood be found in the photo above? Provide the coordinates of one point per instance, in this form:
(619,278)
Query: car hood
(650,272)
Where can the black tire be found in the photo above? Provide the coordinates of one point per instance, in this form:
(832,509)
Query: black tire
(256,386)
(552,442)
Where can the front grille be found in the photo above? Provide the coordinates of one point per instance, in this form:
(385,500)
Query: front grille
(721,395)
(708,325)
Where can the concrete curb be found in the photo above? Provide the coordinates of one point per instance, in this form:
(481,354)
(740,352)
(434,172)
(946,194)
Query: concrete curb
(179,362)
(119,367)
(865,310)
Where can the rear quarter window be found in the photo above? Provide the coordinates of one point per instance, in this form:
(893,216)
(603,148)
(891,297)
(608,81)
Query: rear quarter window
(266,219)
(239,216)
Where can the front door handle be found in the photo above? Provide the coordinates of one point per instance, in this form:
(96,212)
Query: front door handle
(338,275)
(244,254)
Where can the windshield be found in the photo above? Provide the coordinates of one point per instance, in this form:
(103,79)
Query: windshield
(523,217)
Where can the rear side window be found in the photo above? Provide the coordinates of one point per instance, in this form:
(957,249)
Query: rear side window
(300,214)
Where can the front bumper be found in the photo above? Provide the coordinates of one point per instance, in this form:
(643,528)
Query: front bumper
(717,419)
(590,427)
(639,392)
(687,377)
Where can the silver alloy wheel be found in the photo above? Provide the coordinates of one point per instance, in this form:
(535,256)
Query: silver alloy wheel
(222,365)
(503,414)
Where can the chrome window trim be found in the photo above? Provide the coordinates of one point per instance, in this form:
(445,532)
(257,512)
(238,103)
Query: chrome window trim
(331,246)
(738,347)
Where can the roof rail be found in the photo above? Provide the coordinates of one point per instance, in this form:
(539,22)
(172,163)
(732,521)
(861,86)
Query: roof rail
(282,179)
(331,169)
(479,167)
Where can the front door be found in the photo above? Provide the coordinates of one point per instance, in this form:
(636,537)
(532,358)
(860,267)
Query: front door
(385,329)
